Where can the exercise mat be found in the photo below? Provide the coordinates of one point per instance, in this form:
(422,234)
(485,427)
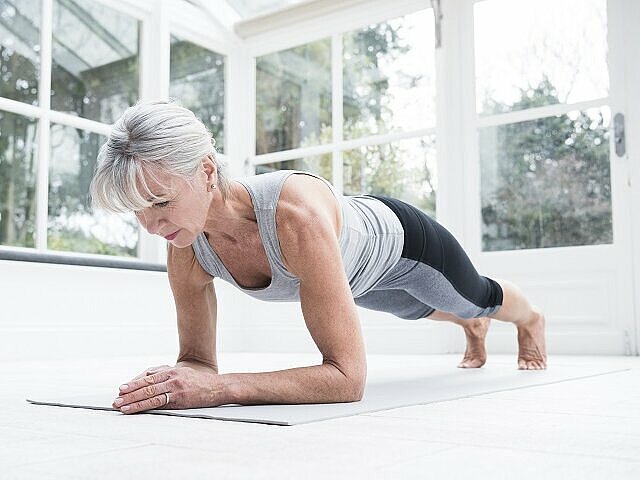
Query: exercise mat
(438,384)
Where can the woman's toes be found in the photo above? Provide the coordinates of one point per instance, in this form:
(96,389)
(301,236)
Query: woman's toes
(471,363)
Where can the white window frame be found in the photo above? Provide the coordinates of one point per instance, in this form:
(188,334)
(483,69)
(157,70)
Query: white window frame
(623,39)
(157,22)
(45,116)
(473,121)
(318,23)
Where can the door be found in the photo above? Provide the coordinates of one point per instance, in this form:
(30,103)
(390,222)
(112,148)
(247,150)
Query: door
(548,198)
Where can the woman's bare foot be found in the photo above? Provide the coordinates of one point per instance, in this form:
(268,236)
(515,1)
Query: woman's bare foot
(475,355)
(532,353)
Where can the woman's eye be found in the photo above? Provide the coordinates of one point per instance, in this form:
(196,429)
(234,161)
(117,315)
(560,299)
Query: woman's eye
(161,204)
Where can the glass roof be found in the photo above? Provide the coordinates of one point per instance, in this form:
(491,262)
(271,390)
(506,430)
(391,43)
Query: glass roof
(251,8)
(85,36)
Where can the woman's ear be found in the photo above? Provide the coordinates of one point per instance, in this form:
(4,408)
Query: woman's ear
(210,169)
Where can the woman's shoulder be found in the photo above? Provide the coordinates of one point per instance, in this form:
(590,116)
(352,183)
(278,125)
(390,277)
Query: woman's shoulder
(305,197)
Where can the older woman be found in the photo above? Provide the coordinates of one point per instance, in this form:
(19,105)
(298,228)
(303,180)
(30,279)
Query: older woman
(286,236)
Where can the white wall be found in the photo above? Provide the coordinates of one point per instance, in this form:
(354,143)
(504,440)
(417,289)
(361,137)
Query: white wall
(50,311)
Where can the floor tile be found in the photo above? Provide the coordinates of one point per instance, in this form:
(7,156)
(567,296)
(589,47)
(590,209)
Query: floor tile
(20,447)
(502,464)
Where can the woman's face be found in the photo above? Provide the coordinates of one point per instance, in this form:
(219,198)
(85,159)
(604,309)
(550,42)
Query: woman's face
(181,218)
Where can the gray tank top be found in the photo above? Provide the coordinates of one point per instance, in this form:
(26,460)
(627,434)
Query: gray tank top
(371,240)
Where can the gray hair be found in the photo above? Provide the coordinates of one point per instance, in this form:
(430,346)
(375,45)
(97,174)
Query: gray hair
(159,134)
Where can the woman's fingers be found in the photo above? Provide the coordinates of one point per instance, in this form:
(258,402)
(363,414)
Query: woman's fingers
(143,393)
(151,371)
(152,403)
(187,387)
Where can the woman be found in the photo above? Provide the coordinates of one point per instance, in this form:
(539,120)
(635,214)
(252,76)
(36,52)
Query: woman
(286,236)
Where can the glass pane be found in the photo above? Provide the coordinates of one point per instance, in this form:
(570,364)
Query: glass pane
(94,72)
(20,50)
(405,170)
(197,82)
(293,98)
(546,182)
(18,167)
(389,76)
(557,49)
(319,164)
(73,226)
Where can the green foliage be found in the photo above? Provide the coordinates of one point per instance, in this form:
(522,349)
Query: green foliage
(18,136)
(293,96)
(552,178)
(197,82)
(364,88)
(381,170)
(378,169)
(73,240)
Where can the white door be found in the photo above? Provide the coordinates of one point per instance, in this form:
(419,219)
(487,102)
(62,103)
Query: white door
(548,198)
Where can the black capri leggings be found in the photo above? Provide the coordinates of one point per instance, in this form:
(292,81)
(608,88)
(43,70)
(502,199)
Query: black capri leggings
(433,273)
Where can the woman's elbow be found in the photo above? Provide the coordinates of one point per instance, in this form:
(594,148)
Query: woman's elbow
(358,383)
(350,383)
(354,394)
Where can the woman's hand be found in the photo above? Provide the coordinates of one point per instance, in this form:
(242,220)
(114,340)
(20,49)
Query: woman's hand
(189,385)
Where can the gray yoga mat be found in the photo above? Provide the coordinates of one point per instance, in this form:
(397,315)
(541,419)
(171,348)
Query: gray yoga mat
(437,385)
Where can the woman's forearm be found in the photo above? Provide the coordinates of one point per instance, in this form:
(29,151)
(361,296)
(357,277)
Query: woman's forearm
(316,384)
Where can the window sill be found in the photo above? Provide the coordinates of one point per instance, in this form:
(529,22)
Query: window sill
(25,255)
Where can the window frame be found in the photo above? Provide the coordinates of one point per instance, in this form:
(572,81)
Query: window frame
(319,25)
(157,22)
(458,195)
(458,176)
(209,42)
(473,121)
(45,116)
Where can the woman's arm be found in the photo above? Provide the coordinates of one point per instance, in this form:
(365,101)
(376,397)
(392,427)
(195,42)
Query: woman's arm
(194,381)
(196,307)
(307,236)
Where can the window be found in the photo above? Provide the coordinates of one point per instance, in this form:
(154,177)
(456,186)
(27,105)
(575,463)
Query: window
(94,68)
(404,169)
(94,76)
(385,142)
(389,76)
(545,174)
(20,50)
(72,225)
(293,98)
(18,162)
(197,82)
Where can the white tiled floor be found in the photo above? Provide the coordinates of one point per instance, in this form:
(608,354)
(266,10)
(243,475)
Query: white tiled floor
(586,429)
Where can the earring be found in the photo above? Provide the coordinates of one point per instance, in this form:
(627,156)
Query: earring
(211,187)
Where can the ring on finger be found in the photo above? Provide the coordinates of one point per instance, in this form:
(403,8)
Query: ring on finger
(166,396)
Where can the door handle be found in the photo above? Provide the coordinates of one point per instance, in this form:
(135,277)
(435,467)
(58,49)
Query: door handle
(618,134)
